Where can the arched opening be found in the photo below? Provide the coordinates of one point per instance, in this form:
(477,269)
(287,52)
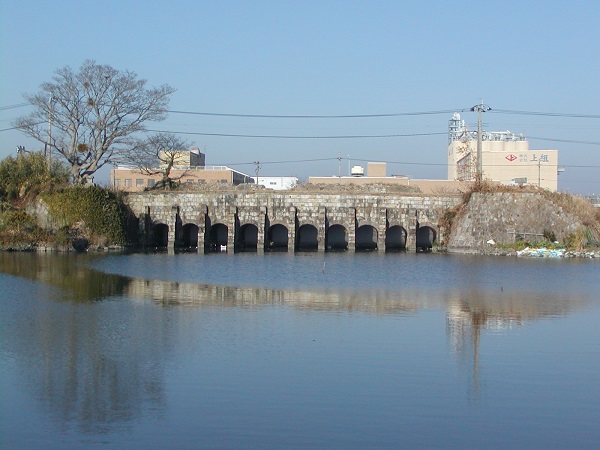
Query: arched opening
(337,238)
(307,238)
(277,238)
(425,238)
(395,239)
(189,236)
(217,238)
(366,238)
(247,239)
(160,235)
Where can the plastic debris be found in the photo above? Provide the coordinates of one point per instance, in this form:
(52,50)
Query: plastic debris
(542,252)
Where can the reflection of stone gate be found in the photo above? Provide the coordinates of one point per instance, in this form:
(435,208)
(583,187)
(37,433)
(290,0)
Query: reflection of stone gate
(258,221)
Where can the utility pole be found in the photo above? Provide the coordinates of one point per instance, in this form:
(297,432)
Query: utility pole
(480,109)
(257,163)
(339,158)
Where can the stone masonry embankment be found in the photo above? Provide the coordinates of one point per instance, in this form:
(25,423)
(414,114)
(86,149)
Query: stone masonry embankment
(501,216)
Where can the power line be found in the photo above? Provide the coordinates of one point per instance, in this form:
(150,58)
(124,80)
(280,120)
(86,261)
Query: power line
(387,162)
(547,114)
(564,140)
(278,162)
(8,129)
(358,116)
(345,116)
(269,136)
(16,128)
(18,105)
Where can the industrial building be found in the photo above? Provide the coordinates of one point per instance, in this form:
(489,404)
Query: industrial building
(505,157)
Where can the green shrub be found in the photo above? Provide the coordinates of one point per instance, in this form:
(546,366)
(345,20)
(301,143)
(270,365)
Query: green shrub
(93,208)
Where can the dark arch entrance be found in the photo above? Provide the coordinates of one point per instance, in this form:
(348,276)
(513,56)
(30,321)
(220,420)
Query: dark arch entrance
(160,235)
(337,238)
(247,239)
(366,238)
(395,239)
(217,238)
(277,238)
(307,238)
(189,236)
(425,238)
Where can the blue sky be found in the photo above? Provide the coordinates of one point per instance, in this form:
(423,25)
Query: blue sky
(329,58)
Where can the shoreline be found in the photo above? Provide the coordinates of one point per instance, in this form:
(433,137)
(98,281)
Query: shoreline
(528,252)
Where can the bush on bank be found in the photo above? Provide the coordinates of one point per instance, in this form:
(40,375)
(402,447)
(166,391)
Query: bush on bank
(39,208)
(92,213)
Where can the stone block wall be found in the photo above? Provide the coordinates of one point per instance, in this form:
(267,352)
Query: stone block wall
(500,216)
(291,209)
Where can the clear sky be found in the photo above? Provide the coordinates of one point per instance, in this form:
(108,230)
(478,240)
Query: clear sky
(329,58)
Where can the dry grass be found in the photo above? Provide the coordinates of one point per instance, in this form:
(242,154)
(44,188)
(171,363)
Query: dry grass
(577,206)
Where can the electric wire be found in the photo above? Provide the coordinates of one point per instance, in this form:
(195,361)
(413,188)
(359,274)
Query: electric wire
(287,116)
(270,136)
(17,105)
(546,114)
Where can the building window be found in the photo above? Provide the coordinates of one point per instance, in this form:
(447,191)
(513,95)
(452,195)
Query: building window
(150,182)
(117,182)
(127,182)
(272,183)
(139,182)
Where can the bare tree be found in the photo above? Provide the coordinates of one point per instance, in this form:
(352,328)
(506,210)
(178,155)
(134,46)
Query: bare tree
(89,116)
(158,154)
(467,163)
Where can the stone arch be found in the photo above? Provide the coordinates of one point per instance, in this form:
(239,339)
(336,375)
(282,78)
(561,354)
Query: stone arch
(366,238)
(307,238)
(336,238)
(277,237)
(160,235)
(426,237)
(247,238)
(189,235)
(395,238)
(217,237)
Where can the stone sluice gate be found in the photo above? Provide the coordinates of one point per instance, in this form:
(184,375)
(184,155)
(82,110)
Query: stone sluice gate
(268,221)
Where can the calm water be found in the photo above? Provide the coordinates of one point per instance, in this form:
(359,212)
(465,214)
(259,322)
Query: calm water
(305,351)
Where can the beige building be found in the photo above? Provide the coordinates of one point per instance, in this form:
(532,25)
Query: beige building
(505,158)
(189,169)
(184,158)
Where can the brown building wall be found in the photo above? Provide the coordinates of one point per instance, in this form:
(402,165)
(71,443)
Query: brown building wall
(133,180)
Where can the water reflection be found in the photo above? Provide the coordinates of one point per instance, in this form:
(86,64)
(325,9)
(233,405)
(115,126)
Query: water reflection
(77,282)
(102,364)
